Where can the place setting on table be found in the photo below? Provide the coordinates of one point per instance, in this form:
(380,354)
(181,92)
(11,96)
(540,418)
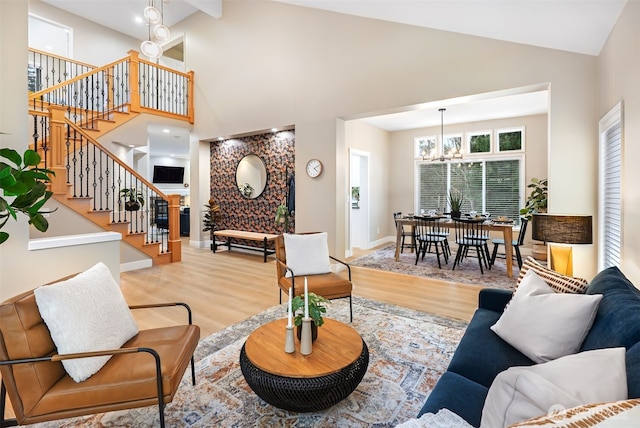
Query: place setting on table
(501,224)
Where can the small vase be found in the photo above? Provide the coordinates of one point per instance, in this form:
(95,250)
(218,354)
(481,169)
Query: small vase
(455,214)
(289,346)
(305,339)
(314,331)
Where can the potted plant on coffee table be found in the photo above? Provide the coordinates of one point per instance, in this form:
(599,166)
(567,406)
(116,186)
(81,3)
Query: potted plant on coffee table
(316,309)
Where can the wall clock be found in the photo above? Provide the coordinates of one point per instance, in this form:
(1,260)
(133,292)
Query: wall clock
(314,168)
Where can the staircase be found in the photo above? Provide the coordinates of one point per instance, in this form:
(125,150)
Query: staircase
(71,105)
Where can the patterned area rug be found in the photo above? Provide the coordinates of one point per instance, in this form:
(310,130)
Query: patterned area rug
(468,272)
(409,351)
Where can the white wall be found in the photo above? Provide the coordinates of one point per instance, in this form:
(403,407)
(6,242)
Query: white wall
(276,63)
(21,269)
(618,80)
(92,43)
(265,64)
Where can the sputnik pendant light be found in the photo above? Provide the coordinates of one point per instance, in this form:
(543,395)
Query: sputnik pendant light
(158,34)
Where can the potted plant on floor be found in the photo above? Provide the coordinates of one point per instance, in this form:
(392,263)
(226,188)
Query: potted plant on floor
(211,217)
(22,179)
(537,200)
(282,216)
(316,309)
(133,198)
(456,198)
(536,203)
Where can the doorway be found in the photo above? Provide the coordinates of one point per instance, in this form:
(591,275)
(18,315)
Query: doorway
(360,200)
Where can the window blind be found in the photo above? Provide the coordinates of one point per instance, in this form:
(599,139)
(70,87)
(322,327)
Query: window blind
(610,200)
(488,186)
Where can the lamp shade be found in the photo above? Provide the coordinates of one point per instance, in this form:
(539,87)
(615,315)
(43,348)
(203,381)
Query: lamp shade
(562,229)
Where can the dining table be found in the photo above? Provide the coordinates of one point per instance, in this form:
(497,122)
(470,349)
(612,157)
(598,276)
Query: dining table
(506,228)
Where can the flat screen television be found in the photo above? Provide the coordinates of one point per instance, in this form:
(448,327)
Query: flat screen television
(168,174)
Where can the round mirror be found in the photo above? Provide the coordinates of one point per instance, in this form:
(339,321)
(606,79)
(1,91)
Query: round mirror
(251,176)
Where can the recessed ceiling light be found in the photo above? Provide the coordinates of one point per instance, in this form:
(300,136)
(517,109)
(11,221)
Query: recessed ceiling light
(274,129)
(166,131)
(220,139)
(138,20)
(131,145)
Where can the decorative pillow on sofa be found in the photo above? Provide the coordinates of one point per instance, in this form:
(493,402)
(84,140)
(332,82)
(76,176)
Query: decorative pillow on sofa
(545,325)
(521,393)
(620,414)
(560,283)
(307,254)
(86,313)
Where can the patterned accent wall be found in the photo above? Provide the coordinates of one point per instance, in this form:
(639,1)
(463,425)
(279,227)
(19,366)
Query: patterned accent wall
(277,150)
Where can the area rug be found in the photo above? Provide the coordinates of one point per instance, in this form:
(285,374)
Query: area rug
(468,272)
(409,351)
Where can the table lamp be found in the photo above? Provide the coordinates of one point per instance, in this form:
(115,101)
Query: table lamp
(562,229)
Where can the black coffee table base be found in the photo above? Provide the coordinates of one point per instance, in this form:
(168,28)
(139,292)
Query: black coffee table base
(305,394)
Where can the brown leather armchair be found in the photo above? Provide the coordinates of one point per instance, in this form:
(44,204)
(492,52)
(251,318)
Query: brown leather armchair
(328,285)
(145,371)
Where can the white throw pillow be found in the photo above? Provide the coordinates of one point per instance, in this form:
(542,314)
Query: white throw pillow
(521,393)
(545,325)
(307,254)
(86,313)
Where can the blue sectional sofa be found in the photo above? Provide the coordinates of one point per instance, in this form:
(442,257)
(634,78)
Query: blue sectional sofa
(482,355)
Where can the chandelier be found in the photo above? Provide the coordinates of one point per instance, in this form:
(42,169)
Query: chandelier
(455,147)
(158,32)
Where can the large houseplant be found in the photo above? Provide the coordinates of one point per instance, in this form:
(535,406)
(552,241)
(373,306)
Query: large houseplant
(211,217)
(22,179)
(536,203)
(537,200)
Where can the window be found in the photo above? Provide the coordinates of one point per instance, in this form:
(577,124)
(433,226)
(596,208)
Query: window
(610,184)
(479,142)
(488,186)
(510,139)
(452,144)
(425,147)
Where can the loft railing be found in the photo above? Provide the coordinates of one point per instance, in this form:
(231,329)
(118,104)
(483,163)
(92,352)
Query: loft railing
(46,70)
(130,84)
(85,169)
(70,99)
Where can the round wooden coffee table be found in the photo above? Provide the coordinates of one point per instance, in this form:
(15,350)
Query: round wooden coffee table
(304,383)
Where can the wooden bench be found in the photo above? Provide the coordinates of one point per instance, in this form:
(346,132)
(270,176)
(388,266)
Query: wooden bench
(249,236)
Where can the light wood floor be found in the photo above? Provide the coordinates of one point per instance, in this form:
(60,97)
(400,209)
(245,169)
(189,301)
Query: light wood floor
(230,286)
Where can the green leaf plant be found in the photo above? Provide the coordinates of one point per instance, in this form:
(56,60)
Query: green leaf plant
(316,308)
(22,179)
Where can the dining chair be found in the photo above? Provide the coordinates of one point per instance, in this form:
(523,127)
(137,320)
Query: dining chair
(428,232)
(405,233)
(470,235)
(515,243)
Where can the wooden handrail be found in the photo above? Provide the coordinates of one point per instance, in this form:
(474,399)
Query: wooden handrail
(108,153)
(62,58)
(61,85)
